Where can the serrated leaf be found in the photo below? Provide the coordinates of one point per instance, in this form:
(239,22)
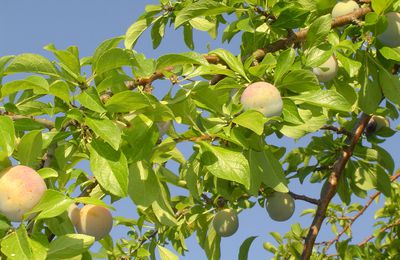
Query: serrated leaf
(225,163)
(30,148)
(199,9)
(318,31)
(52,204)
(324,98)
(7,132)
(16,245)
(112,59)
(231,60)
(252,120)
(34,63)
(299,81)
(127,101)
(68,246)
(91,100)
(135,30)
(110,168)
(166,254)
(106,130)
(180,59)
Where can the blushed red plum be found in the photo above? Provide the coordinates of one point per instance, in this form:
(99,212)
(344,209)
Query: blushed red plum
(263,97)
(21,188)
(95,221)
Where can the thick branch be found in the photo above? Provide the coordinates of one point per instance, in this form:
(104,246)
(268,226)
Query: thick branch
(353,219)
(333,180)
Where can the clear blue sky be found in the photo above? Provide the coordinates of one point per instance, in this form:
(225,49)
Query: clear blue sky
(27,26)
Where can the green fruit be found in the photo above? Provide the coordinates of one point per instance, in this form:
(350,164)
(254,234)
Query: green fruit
(280,206)
(391,36)
(263,97)
(226,222)
(344,7)
(327,70)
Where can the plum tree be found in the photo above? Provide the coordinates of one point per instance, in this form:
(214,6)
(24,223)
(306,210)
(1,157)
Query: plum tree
(344,7)
(21,188)
(74,214)
(263,97)
(94,220)
(226,222)
(327,70)
(391,36)
(280,206)
(376,123)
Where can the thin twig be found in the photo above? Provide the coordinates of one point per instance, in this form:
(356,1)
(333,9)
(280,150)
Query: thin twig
(331,187)
(337,130)
(46,123)
(359,213)
(366,240)
(303,197)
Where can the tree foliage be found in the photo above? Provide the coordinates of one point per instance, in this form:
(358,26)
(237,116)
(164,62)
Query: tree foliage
(105,109)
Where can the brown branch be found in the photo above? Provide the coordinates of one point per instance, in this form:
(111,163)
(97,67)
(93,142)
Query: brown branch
(360,212)
(46,123)
(340,130)
(303,197)
(301,35)
(331,187)
(366,240)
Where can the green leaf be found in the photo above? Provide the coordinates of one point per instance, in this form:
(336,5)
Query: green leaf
(379,6)
(283,64)
(135,30)
(28,62)
(370,94)
(30,148)
(53,203)
(225,163)
(199,9)
(291,112)
(105,46)
(128,101)
(16,245)
(299,81)
(165,254)
(38,84)
(180,59)
(324,98)
(91,100)
(47,173)
(188,36)
(110,168)
(231,60)
(318,31)
(390,53)
(252,120)
(267,167)
(106,130)
(7,132)
(244,248)
(69,61)
(291,17)
(144,186)
(390,85)
(60,89)
(112,59)
(212,244)
(68,246)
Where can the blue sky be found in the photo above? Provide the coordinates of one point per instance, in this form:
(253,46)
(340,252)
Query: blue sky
(27,26)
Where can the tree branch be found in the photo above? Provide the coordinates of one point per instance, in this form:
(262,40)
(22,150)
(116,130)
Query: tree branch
(337,130)
(331,187)
(366,240)
(46,123)
(360,212)
(303,197)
